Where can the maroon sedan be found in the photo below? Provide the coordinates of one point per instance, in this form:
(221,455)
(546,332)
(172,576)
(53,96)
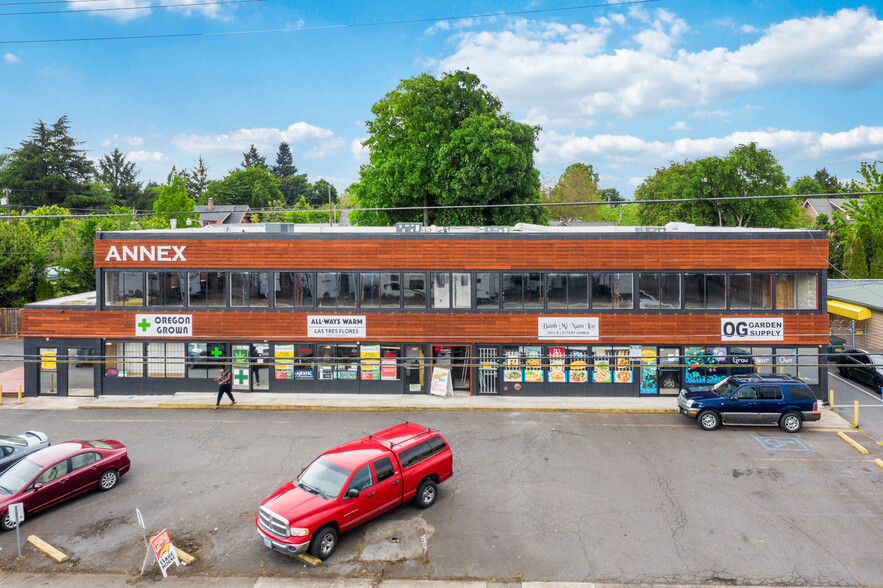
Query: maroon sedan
(60,472)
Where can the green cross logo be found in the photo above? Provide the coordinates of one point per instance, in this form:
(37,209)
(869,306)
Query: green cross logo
(241,377)
(216,351)
(144,324)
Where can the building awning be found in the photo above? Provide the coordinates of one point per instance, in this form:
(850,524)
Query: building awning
(851,311)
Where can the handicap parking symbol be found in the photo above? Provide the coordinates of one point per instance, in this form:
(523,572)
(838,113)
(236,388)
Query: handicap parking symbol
(782,444)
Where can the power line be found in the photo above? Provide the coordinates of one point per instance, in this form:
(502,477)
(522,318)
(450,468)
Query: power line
(147,7)
(328,27)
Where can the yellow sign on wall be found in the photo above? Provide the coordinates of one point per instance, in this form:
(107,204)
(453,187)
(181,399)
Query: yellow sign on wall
(47,359)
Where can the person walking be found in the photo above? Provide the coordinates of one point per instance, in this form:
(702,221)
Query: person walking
(225,385)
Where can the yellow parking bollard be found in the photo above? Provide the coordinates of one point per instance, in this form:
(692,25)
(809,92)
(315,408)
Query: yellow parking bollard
(1,393)
(19,394)
(855,422)
(831,398)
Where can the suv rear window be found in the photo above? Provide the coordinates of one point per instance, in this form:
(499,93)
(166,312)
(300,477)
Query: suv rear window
(421,451)
(770,393)
(801,392)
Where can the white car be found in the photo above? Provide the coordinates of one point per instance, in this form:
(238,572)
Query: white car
(13,449)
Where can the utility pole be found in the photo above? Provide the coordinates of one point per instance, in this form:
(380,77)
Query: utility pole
(330,212)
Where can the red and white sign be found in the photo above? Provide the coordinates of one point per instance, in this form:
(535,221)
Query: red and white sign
(164,551)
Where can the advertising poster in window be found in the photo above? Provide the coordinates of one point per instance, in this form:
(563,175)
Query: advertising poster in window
(534,365)
(240,367)
(601,373)
(718,358)
(556,365)
(648,372)
(284,362)
(388,366)
(696,362)
(304,369)
(579,373)
(512,371)
(623,373)
(370,355)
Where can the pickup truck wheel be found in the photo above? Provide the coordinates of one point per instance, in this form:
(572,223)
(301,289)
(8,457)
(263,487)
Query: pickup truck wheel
(426,493)
(323,543)
(790,422)
(709,420)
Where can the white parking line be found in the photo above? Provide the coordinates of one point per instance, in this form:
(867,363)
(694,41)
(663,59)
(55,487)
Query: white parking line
(845,381)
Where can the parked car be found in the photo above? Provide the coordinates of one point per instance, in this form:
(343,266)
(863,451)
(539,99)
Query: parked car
(863,367)
(55,474)
(751,399)
(13,449)
(351,485)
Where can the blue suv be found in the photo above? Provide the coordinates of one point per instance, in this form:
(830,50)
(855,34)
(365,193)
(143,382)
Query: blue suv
(751,399)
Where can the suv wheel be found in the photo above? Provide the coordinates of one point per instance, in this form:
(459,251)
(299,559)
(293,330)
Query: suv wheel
(791,422)
(709,419)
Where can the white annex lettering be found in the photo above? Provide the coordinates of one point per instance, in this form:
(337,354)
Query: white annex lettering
(147,253)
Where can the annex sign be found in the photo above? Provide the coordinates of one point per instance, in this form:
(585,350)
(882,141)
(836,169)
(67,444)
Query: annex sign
(347,326)
(753,329)
(163,325)
(146,253)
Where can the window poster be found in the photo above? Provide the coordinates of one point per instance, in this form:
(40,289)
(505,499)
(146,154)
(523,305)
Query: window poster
(578,365)
(718,357)
(648,372)
(623,373)
(304,368)
(512,372)
(534,365)
(696,361)
(389,365)
(557,372)
(370,355)
(284,362)
(601,374)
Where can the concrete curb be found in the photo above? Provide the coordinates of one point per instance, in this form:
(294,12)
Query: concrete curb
(332,408)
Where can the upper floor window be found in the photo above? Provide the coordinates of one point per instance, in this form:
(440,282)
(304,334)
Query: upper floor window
(522,290)
(612,290)
(567,291)
(166,288)
(751,291)
(336,289)
(414,290)
(249,288)
(294,289)
(380,290)
(705,291)
(797,291)
(656,290)
(123,288)
(487,290)
(208,288)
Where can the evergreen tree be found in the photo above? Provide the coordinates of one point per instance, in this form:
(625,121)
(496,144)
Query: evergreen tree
(252,158)
(284,162)
(857,268)
(295,187)
(119,178)
(48,168)
(197,180)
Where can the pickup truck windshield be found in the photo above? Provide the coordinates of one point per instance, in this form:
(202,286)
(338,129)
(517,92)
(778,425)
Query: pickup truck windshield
(876,360)
(323,477)
(724,388)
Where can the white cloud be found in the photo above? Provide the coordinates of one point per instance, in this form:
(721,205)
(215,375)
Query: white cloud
(748,29)
(571,72)
(126,10)
(118,140)
(860,142)
(146,157)
(360,152)
(11,58)
(319,142)
(680,126)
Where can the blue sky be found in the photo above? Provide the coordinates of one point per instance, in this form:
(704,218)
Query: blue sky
(628,89)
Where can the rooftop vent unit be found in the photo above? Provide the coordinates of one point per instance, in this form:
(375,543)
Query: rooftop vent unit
(497,229)
(279,227)
(409,227)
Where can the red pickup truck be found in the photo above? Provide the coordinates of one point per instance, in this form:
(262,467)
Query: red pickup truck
(352,484)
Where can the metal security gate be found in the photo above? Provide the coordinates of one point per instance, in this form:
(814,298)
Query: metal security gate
(488,370)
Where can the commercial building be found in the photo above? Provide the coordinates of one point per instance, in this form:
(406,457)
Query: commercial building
(524,310)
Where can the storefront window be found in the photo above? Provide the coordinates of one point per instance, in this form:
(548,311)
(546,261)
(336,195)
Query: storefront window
(611,365)
(208,289)
(370,357)
(165,360)
(124,359)
(166,288)
(440,289)
(649,371)
(808,365)
(705,365)
(461,289)
(389,362)
(751,291)
(346,366)
(305,362)
(657,291)
(336,289)
(294,289)
(414,368)
(487,290)
(612,290)
(414,295)
(260,366)
(249,288)
(325,363)
(205,359)
(786,361)
(123,288)
(763,359)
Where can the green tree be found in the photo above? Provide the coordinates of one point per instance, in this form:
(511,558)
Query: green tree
(196,179)
(317,197)
(443,141)
(252,158)
(829,184)
(578,183)
(284,162)
(48,168)
(119,177)
(806,185)
(610,195)
(295,187)
(255,186)
(857,267)
(173,198)
(22,264)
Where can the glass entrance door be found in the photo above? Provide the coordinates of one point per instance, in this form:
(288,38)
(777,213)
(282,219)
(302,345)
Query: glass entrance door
(48,370)
(488,370)
(80,372)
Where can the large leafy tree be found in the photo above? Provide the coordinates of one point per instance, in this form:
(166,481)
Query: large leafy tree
(173,198)
(22,263)
(578,183)
(746,171)
(295,187)
(119,177)
(255,186)
(317,197)
(445,141)
(828,183)
(48,168)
